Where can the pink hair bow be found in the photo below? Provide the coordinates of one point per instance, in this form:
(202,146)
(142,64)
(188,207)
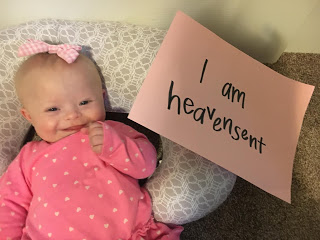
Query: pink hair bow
(67,52)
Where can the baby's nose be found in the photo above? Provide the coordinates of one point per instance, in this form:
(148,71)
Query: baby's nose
(73,113)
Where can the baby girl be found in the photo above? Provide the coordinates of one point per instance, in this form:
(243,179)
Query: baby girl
(80,181)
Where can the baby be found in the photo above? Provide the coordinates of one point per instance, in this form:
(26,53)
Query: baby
(80,181)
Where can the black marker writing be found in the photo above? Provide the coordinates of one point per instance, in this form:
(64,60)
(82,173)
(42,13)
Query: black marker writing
(204,69)
(202,114)
(231,92)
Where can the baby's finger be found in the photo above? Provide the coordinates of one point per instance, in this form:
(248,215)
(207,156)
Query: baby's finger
(96,140)
(95,129)
(94,125)
(96,143)
(97,148)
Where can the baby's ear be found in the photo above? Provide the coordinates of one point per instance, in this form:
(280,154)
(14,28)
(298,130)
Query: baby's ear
(25,114)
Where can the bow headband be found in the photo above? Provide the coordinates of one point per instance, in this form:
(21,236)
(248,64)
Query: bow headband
(67,52)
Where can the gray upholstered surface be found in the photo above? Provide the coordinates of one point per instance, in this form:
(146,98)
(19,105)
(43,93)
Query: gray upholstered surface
(250,213)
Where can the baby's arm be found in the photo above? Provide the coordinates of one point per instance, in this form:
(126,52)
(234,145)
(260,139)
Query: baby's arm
(127,150)
(15,198)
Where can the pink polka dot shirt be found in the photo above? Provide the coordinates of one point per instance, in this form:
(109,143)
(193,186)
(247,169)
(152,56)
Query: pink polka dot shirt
(64,190)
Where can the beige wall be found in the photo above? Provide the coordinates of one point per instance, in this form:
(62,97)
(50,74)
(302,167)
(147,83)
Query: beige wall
(307,37)
(261,28)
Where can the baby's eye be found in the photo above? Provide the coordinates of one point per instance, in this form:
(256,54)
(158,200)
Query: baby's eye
(84,102)
(53,109)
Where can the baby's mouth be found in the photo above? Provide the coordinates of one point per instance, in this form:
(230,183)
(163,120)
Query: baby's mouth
(74,128)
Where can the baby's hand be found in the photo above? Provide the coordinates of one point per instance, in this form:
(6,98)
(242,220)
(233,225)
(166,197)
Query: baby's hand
(95,132)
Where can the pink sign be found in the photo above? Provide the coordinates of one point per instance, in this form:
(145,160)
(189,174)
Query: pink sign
(213,99)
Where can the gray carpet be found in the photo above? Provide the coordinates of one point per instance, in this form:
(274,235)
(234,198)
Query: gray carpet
(250,213)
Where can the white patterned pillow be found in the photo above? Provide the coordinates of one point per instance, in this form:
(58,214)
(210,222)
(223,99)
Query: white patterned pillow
(124,52)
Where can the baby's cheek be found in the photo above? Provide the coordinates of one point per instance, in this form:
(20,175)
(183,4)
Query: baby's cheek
(48,130)
(98,114)
(51,125)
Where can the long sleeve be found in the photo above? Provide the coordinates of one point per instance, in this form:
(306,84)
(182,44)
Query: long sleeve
(127,150)
(15,198)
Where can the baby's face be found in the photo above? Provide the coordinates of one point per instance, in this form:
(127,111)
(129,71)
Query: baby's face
(61,100)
